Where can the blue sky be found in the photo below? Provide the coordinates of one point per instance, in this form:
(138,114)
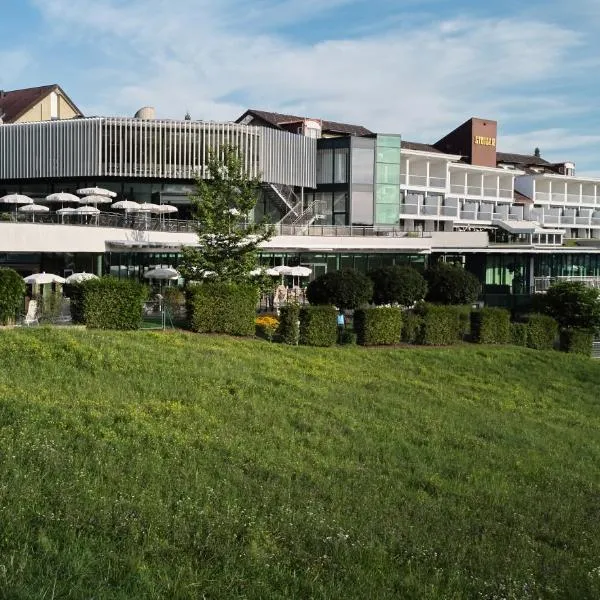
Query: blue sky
(416,67)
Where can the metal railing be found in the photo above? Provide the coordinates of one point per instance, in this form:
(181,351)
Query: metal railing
(348,231)
(105,219)
(542,284)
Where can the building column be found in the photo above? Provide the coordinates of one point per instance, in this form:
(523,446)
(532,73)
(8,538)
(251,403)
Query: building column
(482,185)
(407,174)
(466,183)
(427,173)
(498,186)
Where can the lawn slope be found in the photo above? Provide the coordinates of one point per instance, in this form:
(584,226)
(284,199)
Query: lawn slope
(150,465)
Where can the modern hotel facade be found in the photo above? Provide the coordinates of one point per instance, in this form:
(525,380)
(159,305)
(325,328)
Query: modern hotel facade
(341,195)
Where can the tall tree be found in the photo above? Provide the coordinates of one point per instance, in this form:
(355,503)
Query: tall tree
(228,241)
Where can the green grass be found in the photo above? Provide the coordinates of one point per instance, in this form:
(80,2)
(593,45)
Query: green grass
(153,465)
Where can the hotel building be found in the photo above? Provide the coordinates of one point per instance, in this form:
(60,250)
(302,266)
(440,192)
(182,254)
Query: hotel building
(340,195)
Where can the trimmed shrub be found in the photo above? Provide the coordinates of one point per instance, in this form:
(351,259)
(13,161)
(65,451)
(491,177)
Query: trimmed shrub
(441,325)
(401,285)
(318,326)
(411,327)
(111,303)
(218,307)
(573,304)
(378,326)
(451,284)
(577,341)
(347,289)
(518,334)
(289,331)
(463,314)
(12,294)
(76,293)
(490,326)
(541,332)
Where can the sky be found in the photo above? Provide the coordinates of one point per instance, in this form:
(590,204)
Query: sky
(415,67)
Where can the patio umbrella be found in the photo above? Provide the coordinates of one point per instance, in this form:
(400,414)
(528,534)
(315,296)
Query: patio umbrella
(43,278)
(148,207)
(62,197)
(96,191)
(16,199)
(282,270)
(272,273)
(300,271)
(161,273)
(95,199)
(65,211)
(256,272)
(168,208)
(79,277)
(127,205)
(33,208)
(86,210)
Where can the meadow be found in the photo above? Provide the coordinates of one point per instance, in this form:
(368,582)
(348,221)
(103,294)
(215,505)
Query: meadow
(170,465)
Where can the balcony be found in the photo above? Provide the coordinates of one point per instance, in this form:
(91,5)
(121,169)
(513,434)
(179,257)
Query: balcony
(420,181)
(542,284)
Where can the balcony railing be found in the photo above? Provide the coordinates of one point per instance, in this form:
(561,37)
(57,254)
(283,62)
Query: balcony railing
(542,284)
(349,231)
(437,182)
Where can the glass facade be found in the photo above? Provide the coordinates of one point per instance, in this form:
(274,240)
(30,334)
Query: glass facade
(387,180)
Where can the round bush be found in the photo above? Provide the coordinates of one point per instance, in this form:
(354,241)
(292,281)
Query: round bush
(401,285)
(573,304)
(12,293)
(346,289)
(451,284)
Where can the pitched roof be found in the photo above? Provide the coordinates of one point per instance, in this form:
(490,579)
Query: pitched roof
(521,198)
(419,146)
(15,103)
(521,159)
(279,119)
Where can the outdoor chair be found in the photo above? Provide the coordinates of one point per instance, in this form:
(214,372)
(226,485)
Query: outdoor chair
(31,317)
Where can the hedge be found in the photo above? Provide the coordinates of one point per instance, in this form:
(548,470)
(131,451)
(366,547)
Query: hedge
(490,326)
(518,334)
(12,295)
(111,303)
(76,294)
(289,331)
(318,326)
(442,325)
(378,326)
(541,332)
(577,341)
(411,327)
(216,307)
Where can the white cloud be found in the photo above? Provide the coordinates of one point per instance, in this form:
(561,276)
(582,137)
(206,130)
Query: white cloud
(216,59)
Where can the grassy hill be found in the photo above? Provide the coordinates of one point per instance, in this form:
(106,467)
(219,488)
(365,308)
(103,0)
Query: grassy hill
(150,465)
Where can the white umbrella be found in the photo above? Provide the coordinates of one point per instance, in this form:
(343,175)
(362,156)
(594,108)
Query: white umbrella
(95,199)
(62,197)
(282,270)
(168,208)
(33,208)
(300,271)
(161,273)
(272,272)
(43,278)
(86,210)
(96,191)
(65,211)
(148,207)
(16,199)
(79,277)
(128,205)
(256,272)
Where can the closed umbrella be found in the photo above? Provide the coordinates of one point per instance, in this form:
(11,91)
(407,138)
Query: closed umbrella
(33,208)
(96,191)
(43,278)
(79,277)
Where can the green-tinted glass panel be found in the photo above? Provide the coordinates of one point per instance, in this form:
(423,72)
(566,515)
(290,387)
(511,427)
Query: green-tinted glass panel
(388,174)
(387,214)
(388,155)
(390,141)
(388,194)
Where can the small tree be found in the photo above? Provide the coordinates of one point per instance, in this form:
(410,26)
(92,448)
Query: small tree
(345,289)
(451,284)
(397,285)
(574,305)
(222,206)
(12,293)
